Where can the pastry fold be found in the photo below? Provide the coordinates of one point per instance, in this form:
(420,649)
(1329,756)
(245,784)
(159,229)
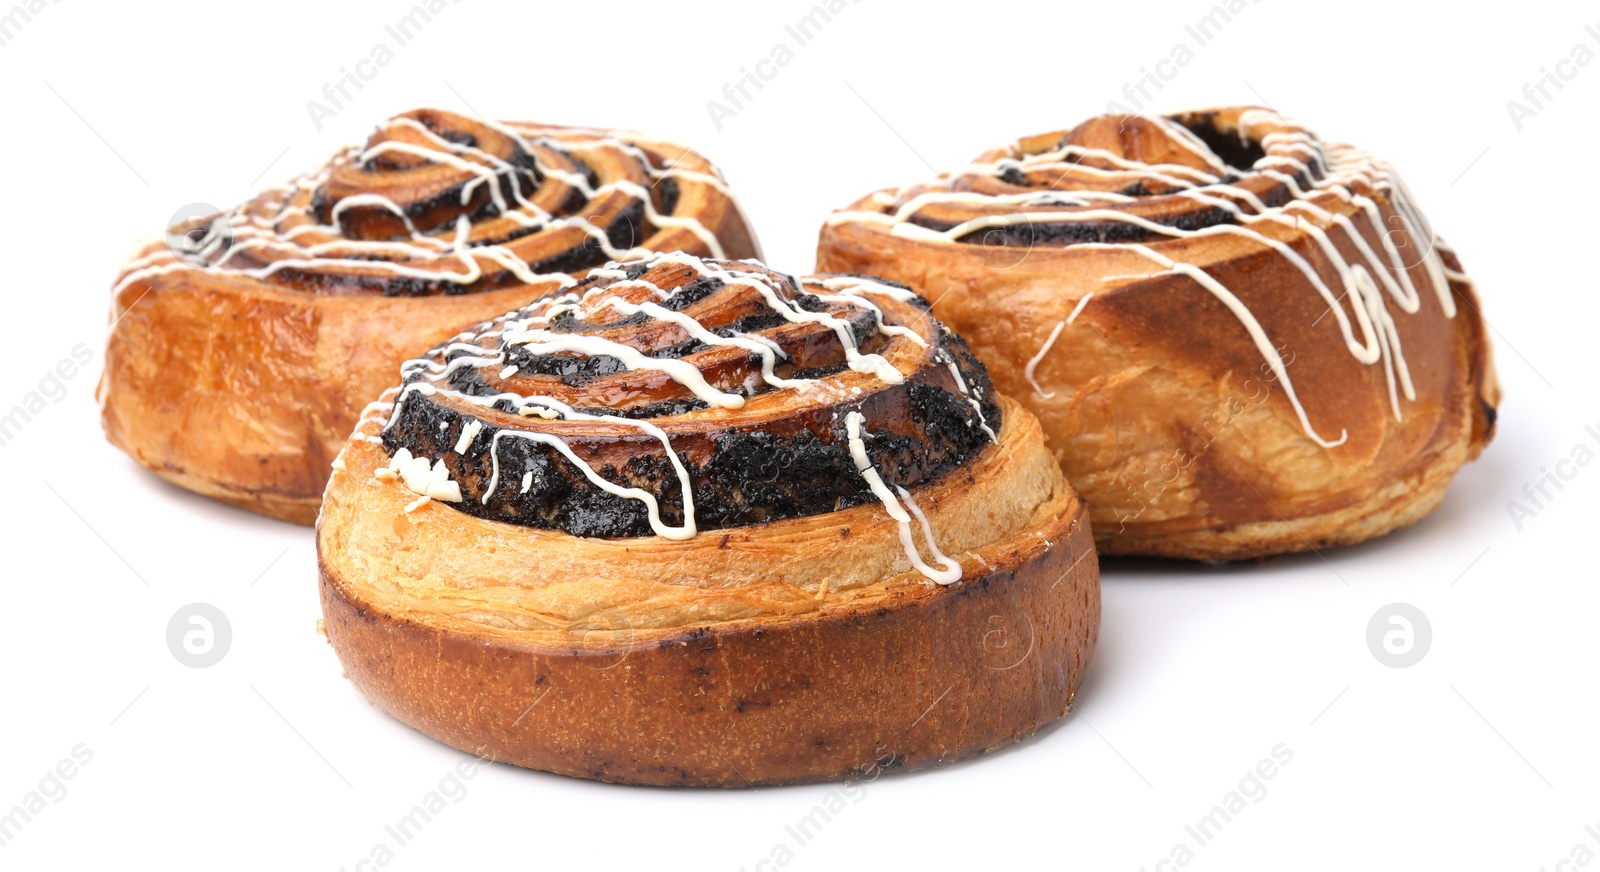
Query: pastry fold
(702,523)
(1239,340)
(244,346)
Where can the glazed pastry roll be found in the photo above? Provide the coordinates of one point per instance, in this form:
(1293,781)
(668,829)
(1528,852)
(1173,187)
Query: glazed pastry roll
(1239,340)
(698,522)
(243,346)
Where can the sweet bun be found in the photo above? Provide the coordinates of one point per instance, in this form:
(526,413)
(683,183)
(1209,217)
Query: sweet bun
(244,346)
(698,522)
(1239,340)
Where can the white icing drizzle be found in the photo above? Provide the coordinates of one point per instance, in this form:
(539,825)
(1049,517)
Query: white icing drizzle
(338,211)
(885,329)
(286,236)
(546,407)
(951,571)
(764,348)
(867,363)
(1257,333)
(652,507)
(527,328)
(1033,364)
(681,371)
(961,384)
(1372,338)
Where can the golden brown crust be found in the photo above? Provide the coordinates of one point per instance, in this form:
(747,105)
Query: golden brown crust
(253,414)
(1155,398)
(797,650)
(242,386)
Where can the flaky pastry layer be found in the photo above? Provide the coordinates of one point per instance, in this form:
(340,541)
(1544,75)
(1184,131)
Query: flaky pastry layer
(439,566)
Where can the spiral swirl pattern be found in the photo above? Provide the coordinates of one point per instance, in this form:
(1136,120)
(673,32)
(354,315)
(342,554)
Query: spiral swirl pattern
(675,394)
(244,345)
(793,502)
(1153,187)
(438,204)
(1239,339)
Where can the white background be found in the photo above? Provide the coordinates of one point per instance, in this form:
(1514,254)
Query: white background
(1482,756)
